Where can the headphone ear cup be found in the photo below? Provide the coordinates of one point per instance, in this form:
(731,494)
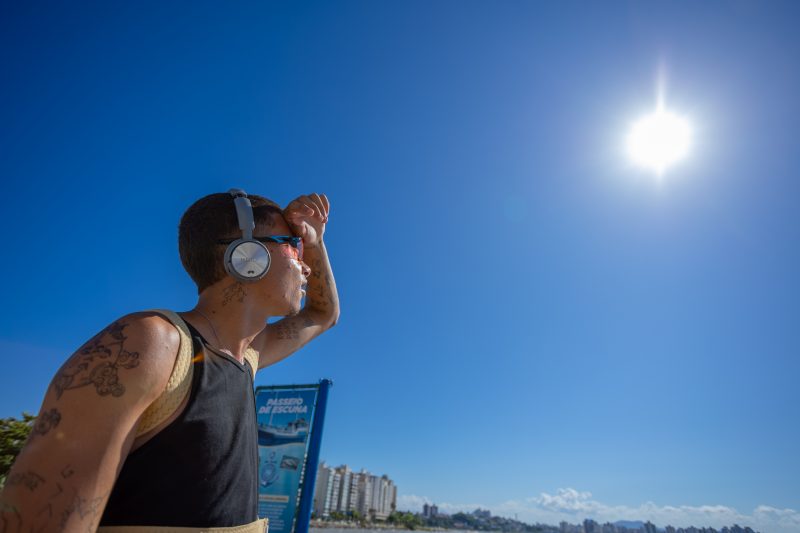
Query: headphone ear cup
(247,260)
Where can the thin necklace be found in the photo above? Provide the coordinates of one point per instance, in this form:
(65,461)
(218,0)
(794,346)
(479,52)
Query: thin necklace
(213,329)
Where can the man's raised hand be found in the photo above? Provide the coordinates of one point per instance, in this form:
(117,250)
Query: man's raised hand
(307,216)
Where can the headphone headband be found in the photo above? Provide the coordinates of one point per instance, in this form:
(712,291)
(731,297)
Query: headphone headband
(244,212)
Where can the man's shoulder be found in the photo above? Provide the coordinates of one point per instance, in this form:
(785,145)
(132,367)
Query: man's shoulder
(150,331)
(151,327)
(156,339)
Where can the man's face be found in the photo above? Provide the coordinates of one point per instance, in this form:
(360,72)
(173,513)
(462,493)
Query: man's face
(282,289)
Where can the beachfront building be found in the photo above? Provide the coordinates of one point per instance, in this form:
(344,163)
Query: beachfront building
(430,511)
(377,496)
(341,490)
(334,491)
(326,490)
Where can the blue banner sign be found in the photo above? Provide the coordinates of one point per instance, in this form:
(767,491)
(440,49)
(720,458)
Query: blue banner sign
(285,415)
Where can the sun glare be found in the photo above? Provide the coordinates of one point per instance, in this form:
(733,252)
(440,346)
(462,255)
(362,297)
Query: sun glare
(659,140)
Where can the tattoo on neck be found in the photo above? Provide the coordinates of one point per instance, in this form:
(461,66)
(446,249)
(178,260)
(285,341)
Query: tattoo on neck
(98,364)
(233,292)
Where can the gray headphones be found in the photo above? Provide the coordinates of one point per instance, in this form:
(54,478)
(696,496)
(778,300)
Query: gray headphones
(246,259)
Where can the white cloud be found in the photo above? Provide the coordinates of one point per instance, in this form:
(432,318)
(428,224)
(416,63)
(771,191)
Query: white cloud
(411,502)
(574,506)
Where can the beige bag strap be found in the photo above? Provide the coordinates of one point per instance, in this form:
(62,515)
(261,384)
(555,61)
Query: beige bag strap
(180,382)
(259,526)
(251,356)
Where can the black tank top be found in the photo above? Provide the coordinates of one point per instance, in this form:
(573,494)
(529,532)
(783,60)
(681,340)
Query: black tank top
(200,470)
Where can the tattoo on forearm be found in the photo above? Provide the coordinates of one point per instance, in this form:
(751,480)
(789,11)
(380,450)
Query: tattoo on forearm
(29,479)
(319,290)
(46,421)
(67,471)
(57,512)
(46,509)
(233,292)
(318,303)
(328,286)
(83,507)
(288,330)
(319,294)
(98,364)
(58,492)
(316,268)
(9,514)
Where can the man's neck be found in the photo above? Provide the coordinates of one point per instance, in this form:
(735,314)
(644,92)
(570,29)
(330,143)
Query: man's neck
(228,323)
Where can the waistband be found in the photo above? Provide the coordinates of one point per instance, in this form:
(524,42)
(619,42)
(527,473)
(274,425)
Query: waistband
(259,526)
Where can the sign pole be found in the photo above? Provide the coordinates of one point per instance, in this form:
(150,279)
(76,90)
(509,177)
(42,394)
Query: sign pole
(310,475)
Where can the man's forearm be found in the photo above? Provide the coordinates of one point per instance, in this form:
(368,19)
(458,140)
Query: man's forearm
(321,297)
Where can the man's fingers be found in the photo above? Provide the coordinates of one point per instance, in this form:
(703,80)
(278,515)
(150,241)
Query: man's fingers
(308,200)
(322,204)
(327,205)
(311,209)
(318,205)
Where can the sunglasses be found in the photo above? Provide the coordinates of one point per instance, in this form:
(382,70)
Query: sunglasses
(295,243)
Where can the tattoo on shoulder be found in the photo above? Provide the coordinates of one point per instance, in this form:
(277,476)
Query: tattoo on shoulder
(233,292)
(46,421)
(98,363)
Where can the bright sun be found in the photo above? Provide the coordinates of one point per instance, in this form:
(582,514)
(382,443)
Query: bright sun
(658,140)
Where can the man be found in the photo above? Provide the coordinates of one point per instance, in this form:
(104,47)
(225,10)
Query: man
(151,423)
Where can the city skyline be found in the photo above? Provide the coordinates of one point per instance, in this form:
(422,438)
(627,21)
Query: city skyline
(340,494)
(343,490)
(570,507)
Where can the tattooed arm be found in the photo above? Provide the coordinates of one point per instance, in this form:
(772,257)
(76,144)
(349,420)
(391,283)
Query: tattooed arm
(62,478)
(284,337)
(307,216)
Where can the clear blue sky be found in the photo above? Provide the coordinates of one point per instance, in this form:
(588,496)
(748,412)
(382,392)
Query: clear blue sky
(526,319)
